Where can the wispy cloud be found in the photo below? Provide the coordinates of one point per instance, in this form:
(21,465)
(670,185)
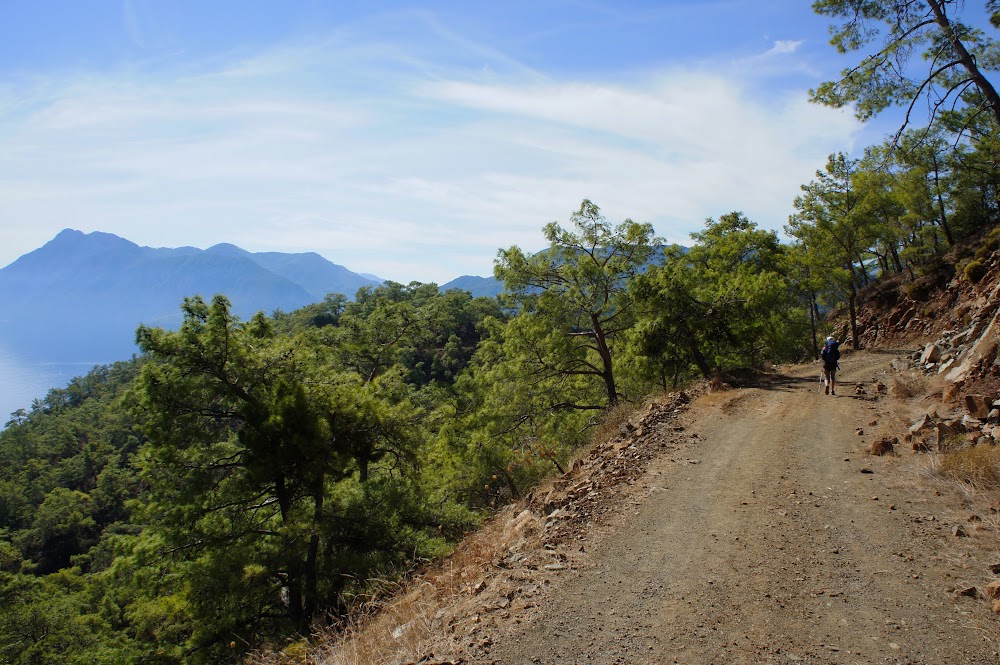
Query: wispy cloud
(409,160)
(785,46)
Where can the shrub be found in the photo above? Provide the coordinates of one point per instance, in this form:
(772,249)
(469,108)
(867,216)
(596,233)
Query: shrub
(990,244)
(978,467)
(975,271)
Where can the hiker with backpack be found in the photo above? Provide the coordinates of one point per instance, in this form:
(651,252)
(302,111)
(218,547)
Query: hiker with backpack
(830,355)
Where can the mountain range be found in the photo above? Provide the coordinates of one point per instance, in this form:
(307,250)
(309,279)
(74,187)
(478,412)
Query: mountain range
(91,290)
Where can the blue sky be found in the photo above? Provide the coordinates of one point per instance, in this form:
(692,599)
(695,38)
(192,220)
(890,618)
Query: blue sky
(406,140)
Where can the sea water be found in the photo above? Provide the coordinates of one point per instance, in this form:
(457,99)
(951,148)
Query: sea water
(26,374)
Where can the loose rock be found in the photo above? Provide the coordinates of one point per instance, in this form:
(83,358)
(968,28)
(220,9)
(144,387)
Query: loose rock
(978,406)
(883,446)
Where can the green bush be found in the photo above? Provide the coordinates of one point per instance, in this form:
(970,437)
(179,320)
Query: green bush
(975,271)
(991,243)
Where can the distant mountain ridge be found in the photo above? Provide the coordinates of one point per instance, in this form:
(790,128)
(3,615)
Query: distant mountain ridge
(488,287)
(89,291)
(100,287)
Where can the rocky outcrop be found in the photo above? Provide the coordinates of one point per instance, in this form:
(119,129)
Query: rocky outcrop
(956,327)
(958,324)
(930,432)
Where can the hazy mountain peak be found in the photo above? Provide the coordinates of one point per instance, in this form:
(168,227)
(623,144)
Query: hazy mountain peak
(227,249)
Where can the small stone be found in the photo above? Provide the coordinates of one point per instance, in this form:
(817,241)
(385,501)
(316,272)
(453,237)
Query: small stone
(993,417)
(867,470)
(993,589)
(968,592)
(958,531)
(925,422)
(860,432)
(995,568)
(931,354)
(957,424)
(883,446)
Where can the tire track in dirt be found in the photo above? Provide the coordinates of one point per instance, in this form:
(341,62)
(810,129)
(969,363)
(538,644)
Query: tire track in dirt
(763,542)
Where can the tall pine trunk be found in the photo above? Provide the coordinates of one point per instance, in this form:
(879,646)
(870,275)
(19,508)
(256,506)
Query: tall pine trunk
(605,352)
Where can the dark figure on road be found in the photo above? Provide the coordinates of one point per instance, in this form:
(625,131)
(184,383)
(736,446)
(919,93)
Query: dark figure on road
(830,355)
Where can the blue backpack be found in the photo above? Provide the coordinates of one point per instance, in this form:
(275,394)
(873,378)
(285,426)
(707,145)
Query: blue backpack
(831,353)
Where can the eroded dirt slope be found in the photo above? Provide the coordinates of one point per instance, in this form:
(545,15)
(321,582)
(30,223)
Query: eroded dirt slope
(765,533)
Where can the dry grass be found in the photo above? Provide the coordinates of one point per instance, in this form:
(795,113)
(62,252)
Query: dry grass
(908,386)
(611,421)
(976,467)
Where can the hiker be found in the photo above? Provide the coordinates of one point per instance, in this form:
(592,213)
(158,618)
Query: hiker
(830,355)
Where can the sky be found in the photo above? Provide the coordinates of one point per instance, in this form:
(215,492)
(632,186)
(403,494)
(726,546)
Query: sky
(410,141)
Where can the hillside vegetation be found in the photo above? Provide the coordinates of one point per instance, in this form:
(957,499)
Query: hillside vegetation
(245,481)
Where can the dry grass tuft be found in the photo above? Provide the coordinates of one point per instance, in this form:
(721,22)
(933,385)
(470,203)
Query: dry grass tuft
(907,386)
(611,421)
(977,467)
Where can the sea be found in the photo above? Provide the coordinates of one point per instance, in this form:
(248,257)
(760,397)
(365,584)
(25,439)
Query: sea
(28,372)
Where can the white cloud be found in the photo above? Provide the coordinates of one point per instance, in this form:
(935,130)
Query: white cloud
(391,162)
(785,46)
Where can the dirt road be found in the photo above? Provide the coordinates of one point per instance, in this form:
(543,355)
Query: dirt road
(770,536)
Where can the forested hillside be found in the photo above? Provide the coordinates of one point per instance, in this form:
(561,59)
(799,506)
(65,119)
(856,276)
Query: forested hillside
(245,480)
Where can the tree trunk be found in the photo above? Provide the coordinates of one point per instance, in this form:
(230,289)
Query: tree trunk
(985,87)
(293,568)
(895,259)
(699,359)
(852,305)
(311,591)
(511,485)
(942,214)
(605,353)
(812,323)
(862,270)
(883,262)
